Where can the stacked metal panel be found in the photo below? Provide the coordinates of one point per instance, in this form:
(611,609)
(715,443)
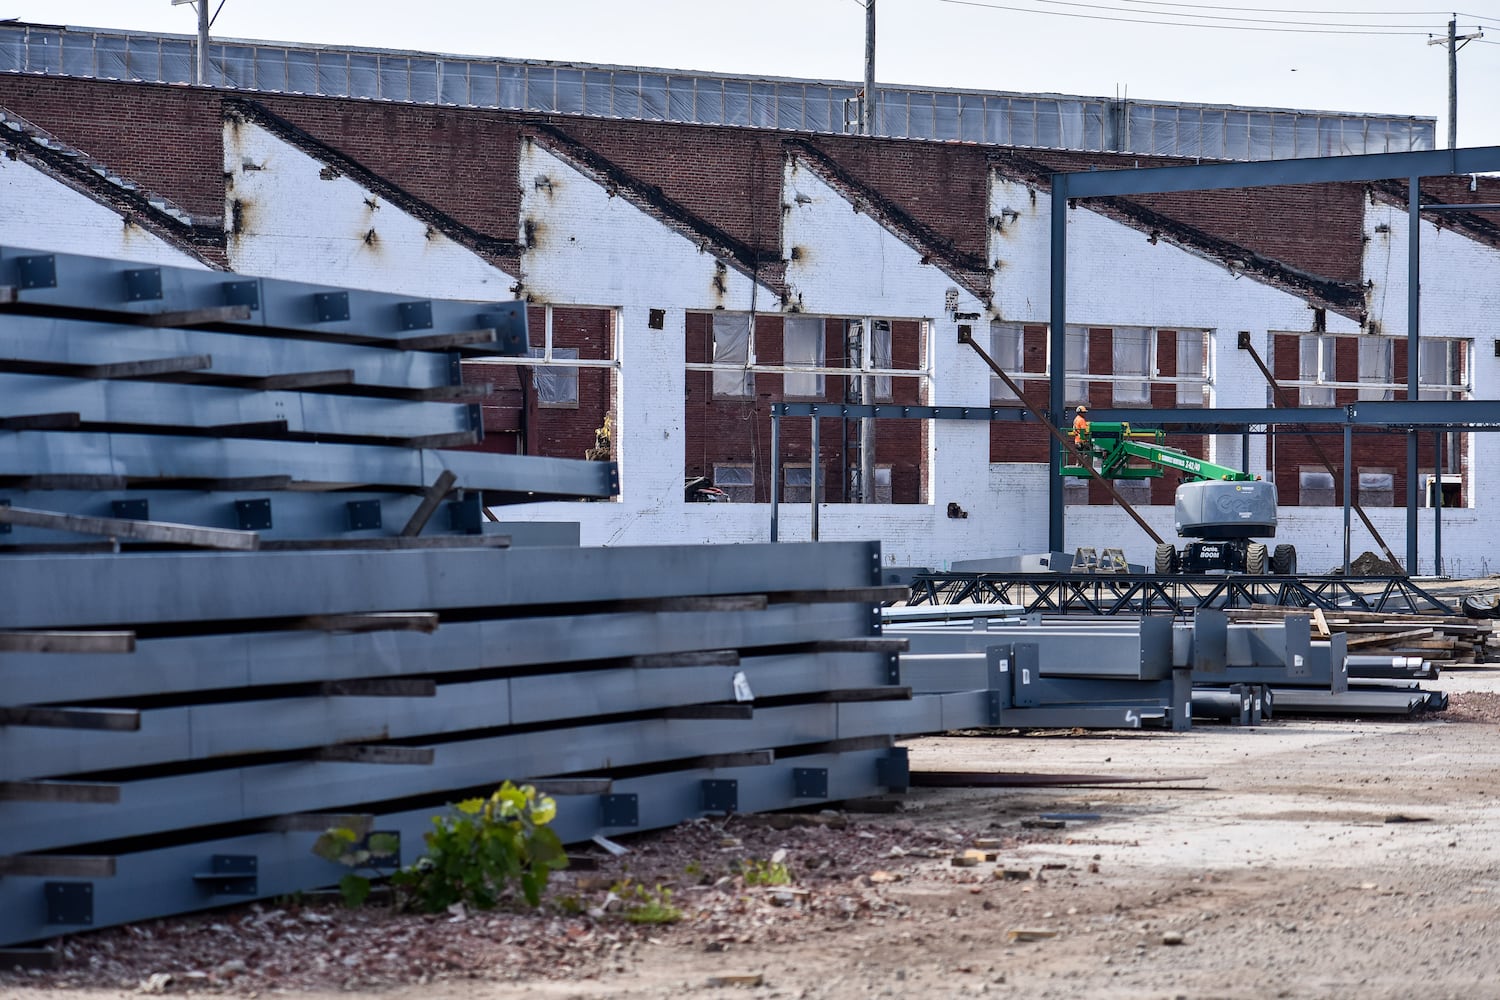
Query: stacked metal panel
(226,626)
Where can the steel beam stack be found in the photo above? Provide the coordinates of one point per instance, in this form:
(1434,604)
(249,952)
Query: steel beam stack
(1122,673)
(244,597)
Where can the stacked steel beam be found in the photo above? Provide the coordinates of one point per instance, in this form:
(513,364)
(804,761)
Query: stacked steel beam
(253,601)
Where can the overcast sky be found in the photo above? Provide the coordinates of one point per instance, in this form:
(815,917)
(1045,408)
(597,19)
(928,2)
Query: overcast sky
(1367,55)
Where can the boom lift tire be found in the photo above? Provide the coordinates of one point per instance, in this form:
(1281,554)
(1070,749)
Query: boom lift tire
(1255,559)
(1284,560)
(1166,559)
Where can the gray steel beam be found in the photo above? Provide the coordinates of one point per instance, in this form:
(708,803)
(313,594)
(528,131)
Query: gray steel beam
(1275,173)
(309,464)
(50,340)
(156,587)
(159,882)
(205,407)
(899,411)
(203,732)
(71,280)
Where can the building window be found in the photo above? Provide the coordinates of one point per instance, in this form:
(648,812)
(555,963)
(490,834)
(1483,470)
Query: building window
(1005,347)
(1134,353)
(1315,364)
(796,484)
(1315,488)
(1452,491)
(1439,364)
(882,484)
(1078,362)
(556,385)
(802,347)
(738,480)
(1192,363)
(1137,492)
(732,347)
(1376,366)
(882,358)
(1377,489)
(1075,491)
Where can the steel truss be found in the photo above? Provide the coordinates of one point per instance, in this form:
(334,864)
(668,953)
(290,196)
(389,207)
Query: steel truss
(1147,594)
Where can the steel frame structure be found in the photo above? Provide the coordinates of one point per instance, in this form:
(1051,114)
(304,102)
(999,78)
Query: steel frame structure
(1070,186)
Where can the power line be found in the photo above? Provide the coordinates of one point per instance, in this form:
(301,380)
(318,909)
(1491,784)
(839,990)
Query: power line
(1401,30)
(1288,10)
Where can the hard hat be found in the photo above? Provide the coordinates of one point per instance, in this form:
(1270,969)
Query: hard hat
(1083,409)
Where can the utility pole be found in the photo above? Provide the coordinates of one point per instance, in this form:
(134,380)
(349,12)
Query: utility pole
(200,67)
(867,107)
(1454,41)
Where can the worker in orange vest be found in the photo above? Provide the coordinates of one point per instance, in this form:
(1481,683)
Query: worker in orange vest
(1080,425)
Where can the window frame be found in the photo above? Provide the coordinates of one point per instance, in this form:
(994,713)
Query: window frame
(730,488)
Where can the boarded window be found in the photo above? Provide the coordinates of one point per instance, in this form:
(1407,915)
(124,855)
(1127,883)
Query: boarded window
(802,346)
(796,484)
(1134,353)
(738,480)
(1315,488)
(732,347)
(1377,489)
(1005,347)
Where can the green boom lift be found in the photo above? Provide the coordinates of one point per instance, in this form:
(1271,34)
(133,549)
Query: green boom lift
(1223,508)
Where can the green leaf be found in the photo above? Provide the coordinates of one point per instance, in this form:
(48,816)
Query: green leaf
(543,811)
(355,889)
(470,806)
(384,844)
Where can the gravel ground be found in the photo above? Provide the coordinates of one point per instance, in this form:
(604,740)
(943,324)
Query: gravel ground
(1301,859)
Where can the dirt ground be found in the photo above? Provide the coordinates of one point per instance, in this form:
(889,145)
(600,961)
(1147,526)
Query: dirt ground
(1305,858)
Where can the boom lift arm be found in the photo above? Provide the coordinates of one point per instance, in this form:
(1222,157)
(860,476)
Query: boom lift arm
(1126,453)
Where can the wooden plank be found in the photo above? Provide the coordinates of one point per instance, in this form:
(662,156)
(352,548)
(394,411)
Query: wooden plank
(723,602)
(149,531)
(440,341)
(749,758)
(29,958)
(194,317)
(114,720)
(90,793)
(360,823)
(142,369)
(381,687)
(387,543)
(1282,610)
(433,496)
(67,642)
(862,694)
(1320,623)
(573,786)
(1375,640)
(691,658)
(253,428)
(456,439)
(42,422)
(381,621)
(724,711)
(852,595)
(58,866)
(355,754)
(304,380)
(870,645)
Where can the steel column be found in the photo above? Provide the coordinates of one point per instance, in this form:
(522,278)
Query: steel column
(775,475)
(1057,356)
(1348,496)
(1413,355)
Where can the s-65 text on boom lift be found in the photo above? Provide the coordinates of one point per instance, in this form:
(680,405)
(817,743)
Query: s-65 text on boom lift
(1223,508)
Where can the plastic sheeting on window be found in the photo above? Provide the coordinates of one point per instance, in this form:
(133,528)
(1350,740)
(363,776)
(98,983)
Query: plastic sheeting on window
(1005,347)
(736,480)
(680,105)
(1133,353)
(802,345)
(1192,362)
(880,348)
(570,91)
(1077,360)
(333,73)
(653,97)
(302,71)
(1376,364)
(15,45)
(453,82)
(541,89)
(556,385)
(732,347)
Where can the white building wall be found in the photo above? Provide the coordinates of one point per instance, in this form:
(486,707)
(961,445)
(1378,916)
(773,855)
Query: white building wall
(290,216)
(38,212)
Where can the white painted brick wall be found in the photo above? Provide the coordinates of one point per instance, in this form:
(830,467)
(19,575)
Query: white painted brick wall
(40,213)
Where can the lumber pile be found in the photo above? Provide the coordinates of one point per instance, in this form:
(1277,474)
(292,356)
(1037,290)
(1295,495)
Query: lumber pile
(1437,640)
